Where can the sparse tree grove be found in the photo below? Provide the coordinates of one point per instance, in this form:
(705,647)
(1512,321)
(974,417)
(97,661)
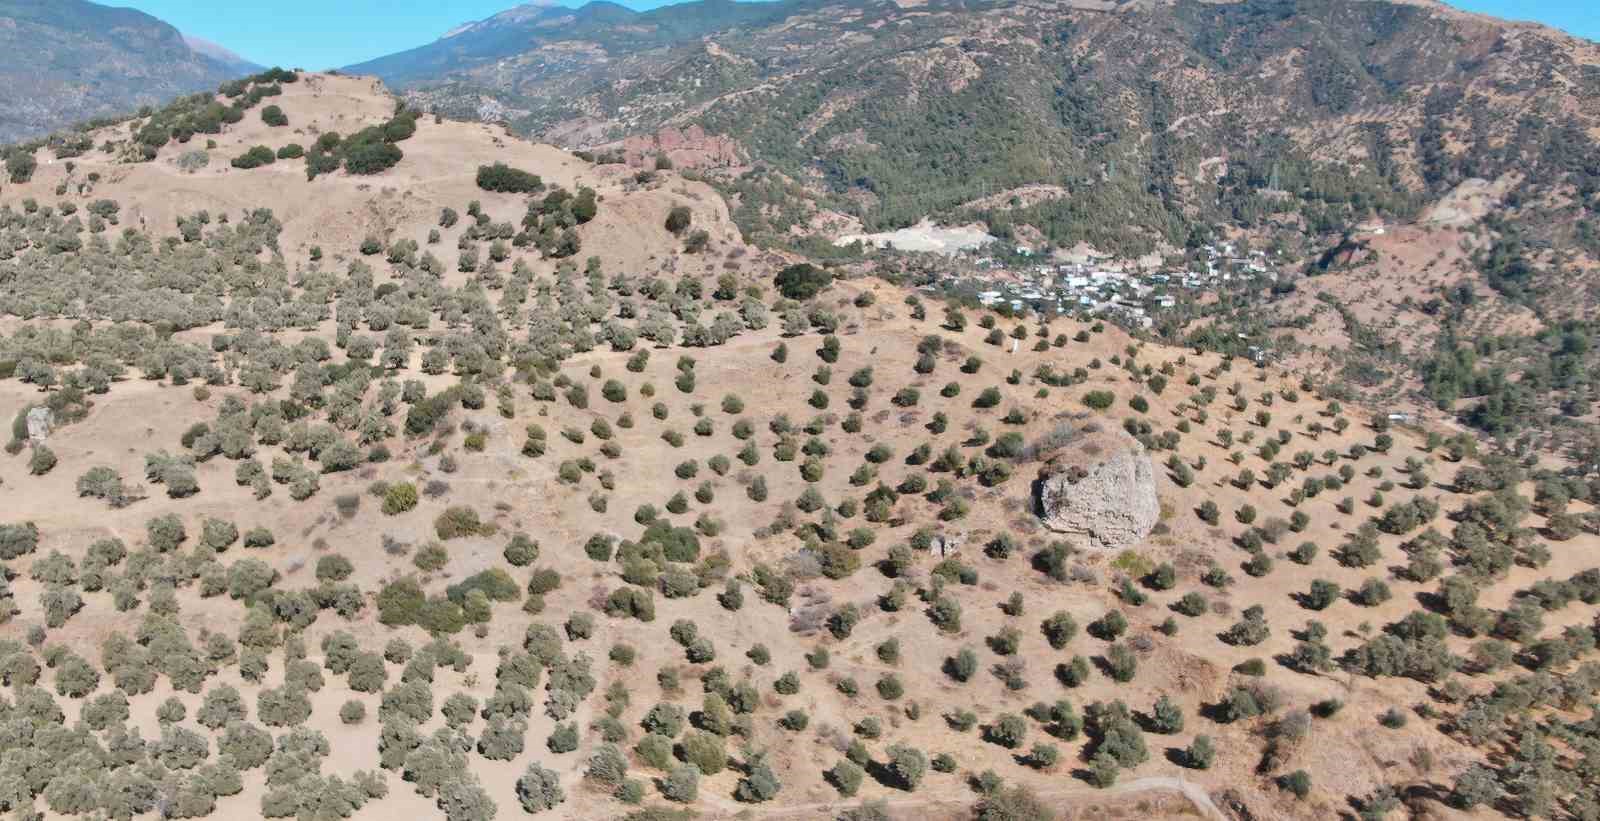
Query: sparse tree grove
(628,536)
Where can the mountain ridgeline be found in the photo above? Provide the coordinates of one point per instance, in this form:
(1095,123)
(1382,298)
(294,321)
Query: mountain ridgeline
(66,61)
(1146,119)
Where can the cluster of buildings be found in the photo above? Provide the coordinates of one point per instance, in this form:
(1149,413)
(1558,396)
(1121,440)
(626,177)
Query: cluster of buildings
(1106,288)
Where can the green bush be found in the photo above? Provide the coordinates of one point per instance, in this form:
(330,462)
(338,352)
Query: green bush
(456,522)
(17,540)
(370,155)
(802,281)
(679,219)
(906,766)
(399,498)
(20,166)
(1099,400)
(255,158)
(353,712)
(504,179)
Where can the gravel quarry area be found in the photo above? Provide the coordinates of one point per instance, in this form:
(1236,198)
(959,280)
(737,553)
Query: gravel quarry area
(926,236)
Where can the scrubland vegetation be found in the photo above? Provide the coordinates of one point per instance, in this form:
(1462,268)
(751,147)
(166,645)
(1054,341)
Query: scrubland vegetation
(527,534)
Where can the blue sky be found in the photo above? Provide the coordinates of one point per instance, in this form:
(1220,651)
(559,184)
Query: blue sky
(318,34)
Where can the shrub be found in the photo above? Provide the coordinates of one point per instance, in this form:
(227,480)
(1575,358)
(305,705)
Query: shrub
(759,784)
(906,766)
(1013,804)
(682,784)
(1297,782)
(399,498)
(802,281)
(1008,731)
(20,166)
(370,156)
(255,158)
(353,712)
(1122,662)
(334,568)
(367,673)
(1059,629)
(105,484)
(679,219)
(1099,400)
(17,540)
(42,460)
(164,533)
(521,551)
(504,179)
(564,739)
(456,522)
(706,751)
(607,765)
(845,777)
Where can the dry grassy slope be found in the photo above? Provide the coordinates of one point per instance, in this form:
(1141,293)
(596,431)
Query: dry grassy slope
(1349,755)
(337,211)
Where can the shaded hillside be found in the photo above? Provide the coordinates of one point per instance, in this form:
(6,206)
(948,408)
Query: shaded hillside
(65,61)
(1152,119)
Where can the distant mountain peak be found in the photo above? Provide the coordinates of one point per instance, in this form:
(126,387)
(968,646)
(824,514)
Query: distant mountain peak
(216,51)
(511,16)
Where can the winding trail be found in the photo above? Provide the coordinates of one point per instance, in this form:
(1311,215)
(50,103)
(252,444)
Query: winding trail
(1194,793)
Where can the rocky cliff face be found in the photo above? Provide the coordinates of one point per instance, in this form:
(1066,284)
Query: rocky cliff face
(691,147)
(1103,487)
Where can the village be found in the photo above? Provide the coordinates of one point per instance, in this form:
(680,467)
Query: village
(1116,290)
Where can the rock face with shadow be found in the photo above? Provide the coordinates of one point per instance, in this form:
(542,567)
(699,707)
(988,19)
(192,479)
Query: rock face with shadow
(1101,487)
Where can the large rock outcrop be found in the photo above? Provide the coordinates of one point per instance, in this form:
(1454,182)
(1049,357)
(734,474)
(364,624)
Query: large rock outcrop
(691,147)
(1102,487)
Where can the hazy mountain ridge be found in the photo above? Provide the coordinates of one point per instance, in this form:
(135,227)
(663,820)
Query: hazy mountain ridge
(66,61)
(221,54)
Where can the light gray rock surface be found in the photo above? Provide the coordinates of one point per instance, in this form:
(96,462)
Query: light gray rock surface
(40,423)
(1103,488)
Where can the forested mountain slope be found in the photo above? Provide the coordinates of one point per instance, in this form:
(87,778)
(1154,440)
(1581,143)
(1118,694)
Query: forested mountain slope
(66,61)
(1151,118)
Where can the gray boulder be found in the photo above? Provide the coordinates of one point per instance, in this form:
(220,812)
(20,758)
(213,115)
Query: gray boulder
(40,422)
(1101,487)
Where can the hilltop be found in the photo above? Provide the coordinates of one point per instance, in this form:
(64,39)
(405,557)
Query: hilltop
(365,462)
(403,202)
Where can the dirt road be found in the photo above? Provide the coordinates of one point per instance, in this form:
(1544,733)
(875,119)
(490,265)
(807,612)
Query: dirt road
(1194,793)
